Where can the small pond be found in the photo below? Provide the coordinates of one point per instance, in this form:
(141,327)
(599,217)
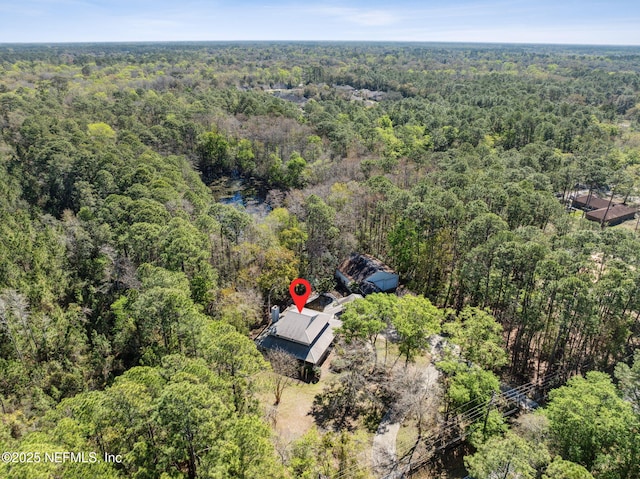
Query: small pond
(250,193)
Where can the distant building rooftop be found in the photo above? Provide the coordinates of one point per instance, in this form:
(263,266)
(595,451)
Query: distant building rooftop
(616,214)
(368,273)
(589,202)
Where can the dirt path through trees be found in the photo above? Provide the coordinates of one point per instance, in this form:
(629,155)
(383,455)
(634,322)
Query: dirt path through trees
(384,455)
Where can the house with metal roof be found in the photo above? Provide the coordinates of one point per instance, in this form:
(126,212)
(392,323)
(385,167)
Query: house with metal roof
(307,335)
(367,274)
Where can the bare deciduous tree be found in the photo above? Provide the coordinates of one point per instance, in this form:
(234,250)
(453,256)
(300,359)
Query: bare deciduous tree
(416,395)
(285,368)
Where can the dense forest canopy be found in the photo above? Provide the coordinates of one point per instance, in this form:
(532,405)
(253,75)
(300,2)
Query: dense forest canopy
(128,291)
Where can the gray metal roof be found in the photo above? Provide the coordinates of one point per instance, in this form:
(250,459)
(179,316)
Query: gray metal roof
(301,327)
(306,335)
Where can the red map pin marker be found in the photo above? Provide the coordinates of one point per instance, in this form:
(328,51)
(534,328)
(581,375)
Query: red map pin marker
(300,299)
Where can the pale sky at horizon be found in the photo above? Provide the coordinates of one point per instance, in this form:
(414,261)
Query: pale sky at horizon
(616,22)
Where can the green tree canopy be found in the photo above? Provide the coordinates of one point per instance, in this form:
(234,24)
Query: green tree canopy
(591,425)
